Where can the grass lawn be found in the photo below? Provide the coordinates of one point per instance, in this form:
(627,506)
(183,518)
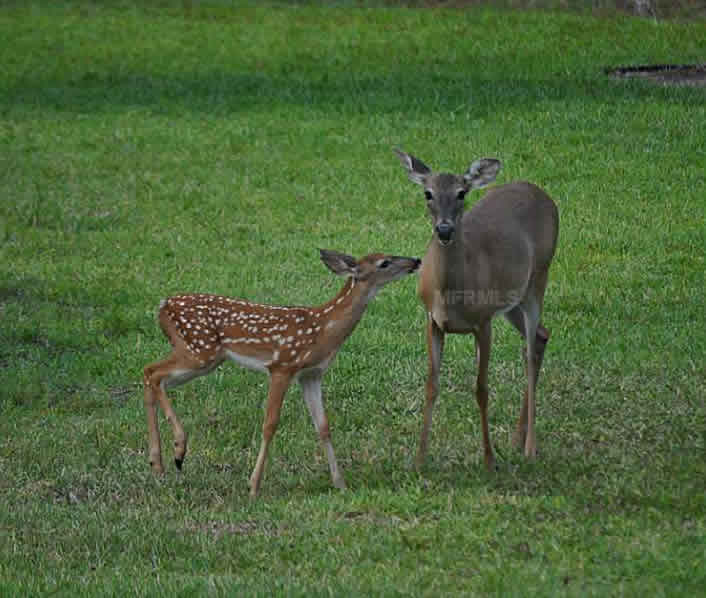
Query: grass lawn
(152,148)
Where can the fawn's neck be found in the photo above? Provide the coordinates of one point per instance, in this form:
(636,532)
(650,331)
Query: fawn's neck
(345,310)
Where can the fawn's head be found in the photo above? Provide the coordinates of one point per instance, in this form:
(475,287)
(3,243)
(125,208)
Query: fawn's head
(374,270)
(445,192)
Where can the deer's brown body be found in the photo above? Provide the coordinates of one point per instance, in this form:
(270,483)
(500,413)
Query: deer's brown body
(493,259)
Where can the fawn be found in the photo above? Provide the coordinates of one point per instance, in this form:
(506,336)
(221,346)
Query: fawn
(287,343)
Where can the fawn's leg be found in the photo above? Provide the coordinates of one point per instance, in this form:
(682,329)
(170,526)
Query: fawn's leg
(311,388)
(155,449)
(279,382)
(170,372)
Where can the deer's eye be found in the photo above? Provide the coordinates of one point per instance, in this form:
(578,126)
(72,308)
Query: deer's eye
(428,195)
(384,264)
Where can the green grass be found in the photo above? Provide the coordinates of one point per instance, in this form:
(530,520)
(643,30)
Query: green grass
(149,150)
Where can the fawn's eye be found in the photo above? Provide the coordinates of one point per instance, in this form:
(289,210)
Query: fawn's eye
(428,195)
(384,264)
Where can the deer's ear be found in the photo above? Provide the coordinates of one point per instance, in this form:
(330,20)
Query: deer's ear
(482,172)
(339,263)
(416,169)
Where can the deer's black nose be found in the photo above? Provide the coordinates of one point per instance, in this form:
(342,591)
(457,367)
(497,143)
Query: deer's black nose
(444,230)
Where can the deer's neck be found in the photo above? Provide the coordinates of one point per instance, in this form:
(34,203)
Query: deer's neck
(449,263)
(345,310)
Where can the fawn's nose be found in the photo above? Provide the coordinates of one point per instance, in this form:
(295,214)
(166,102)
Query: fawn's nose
(444,230)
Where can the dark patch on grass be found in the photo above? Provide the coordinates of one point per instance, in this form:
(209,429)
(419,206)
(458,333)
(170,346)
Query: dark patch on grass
(371,518)
(665,74)
(122,394)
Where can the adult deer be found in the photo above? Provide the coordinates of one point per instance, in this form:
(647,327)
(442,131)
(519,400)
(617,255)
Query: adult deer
(288,343)
(493,259)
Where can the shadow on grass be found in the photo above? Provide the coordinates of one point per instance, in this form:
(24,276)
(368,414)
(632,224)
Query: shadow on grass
(585,485)
(52,347)
(411,90)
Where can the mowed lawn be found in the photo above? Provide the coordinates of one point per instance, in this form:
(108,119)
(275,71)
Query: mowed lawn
(152,148)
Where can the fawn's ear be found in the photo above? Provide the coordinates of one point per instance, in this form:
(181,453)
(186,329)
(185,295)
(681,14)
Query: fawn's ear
(482,172)
(416,169)
(339,263)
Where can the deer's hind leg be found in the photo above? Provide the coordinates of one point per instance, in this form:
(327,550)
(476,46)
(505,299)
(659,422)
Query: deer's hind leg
(158,376)
(526,319)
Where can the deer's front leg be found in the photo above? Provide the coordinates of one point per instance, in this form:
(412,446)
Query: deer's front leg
(435,347)
(311,388)
(279,382)
(483,344)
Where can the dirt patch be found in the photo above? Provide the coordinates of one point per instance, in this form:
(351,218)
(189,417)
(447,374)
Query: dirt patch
(241,528)
(370,517)
(693,75)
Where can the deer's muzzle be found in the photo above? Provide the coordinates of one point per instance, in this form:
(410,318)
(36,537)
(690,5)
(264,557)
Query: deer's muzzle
(445,230)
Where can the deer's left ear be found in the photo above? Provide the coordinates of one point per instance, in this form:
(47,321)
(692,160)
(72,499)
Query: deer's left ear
(482,172)
(339,263)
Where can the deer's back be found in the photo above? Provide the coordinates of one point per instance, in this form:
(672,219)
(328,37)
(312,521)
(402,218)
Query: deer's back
(511,219)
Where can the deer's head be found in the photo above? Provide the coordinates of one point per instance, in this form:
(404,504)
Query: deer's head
(445,193)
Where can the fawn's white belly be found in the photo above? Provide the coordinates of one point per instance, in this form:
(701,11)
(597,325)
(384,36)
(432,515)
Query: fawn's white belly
(247,361)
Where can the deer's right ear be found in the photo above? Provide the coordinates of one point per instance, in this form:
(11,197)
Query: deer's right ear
(339,263)
(416,169)
(482,172)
